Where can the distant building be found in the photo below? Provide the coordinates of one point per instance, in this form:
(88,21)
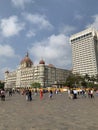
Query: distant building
(1,81)
(85,52)
(27,73)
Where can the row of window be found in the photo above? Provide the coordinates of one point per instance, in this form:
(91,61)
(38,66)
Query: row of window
(83,36)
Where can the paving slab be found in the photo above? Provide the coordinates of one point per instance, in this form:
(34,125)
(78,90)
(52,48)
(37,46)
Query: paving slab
(59,113)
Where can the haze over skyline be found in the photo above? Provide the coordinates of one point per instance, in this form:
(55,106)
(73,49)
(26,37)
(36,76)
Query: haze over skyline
(43,28)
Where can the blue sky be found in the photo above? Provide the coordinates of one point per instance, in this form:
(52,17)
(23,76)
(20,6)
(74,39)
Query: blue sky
(43,28)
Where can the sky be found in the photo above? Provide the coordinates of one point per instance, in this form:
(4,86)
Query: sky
(42,28)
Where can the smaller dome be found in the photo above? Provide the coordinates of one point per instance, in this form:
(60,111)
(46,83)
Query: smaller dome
(51,65)
(42,62)
(7,71)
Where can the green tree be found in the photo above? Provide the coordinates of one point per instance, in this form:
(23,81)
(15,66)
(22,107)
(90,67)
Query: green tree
(76,80)
(36,85)
(70,81)
(1,85)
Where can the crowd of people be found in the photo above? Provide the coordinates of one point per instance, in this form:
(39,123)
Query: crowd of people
(28,94)
(72,93)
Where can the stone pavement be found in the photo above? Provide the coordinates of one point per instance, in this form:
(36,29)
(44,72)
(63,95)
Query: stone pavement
(60,113)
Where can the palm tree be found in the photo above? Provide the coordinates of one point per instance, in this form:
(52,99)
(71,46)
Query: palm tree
(96,77)
(93,79)
(70,80)
(87,77)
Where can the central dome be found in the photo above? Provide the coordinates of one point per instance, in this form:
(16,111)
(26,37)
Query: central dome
(26,60)
(42,61)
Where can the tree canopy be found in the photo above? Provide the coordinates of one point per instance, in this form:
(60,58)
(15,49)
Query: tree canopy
(1,85)
(36,85)
(76,80)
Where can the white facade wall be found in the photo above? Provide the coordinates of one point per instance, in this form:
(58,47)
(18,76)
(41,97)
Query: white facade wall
(44,74)
(85,52)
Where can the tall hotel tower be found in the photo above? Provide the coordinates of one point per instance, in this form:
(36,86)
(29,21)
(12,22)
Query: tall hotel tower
(85,52)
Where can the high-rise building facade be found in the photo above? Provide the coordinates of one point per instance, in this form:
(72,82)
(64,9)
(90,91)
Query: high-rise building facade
(85,52)
(28,73)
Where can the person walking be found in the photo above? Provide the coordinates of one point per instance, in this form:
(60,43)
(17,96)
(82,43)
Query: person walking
(41,94)
(75,94)
(51,94)
(27,94)
(92,93)
(89,93)
(2,95)
(10,92)
(30,95)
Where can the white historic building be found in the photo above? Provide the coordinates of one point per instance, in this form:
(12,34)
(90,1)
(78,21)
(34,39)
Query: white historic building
(27,73)
(85,52)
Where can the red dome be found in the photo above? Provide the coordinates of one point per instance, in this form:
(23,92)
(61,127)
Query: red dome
(42,62)
(26,60)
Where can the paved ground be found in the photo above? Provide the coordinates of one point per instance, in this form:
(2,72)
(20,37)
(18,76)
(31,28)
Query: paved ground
(60,113)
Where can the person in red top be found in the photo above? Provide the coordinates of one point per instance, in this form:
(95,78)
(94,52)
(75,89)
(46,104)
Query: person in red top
(41,94)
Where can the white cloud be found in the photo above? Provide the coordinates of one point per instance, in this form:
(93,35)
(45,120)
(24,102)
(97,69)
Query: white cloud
(95,22)
(78,16)
(11,26)
(66,29)
(21,3)
(2,71)
(40,21)
(6,54)
(55,50)
(6,51)
(31,34)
